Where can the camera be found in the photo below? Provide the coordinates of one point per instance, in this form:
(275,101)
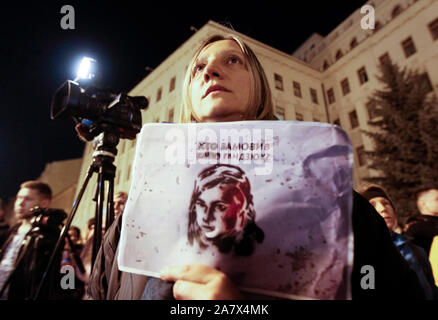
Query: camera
(47,221)
(108,112)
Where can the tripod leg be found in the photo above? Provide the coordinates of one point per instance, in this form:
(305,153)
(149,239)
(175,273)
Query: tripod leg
(99,213)
(110,204)
(65,229)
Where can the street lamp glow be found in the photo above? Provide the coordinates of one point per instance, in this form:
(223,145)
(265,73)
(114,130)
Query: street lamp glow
(85,70)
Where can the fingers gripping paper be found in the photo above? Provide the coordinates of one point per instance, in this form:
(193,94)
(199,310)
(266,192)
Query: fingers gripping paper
(266,202)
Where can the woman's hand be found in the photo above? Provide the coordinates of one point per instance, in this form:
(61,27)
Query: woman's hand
(200,282)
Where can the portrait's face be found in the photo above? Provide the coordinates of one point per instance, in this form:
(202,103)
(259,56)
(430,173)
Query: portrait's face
(27,199)
(385,209)
(221,83)
(220,210)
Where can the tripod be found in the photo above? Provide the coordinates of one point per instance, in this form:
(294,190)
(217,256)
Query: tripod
(103,158)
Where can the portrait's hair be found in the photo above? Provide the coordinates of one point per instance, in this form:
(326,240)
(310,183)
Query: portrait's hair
(42,188)
(260,105)
(245,231)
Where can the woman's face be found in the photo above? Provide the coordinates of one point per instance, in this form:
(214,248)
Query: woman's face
(219,210)
(221,83)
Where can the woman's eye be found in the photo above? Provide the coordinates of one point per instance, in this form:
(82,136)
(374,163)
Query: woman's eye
(233,60)
(200,203)
(198,68)
(221,207)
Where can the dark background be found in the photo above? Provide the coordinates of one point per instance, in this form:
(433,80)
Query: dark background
(126,37)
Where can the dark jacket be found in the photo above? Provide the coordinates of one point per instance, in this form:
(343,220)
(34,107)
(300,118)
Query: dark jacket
(419,262)
(32,259)
(394,279)
(421,230)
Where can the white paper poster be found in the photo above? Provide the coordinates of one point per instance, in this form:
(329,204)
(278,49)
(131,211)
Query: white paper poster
(266,202)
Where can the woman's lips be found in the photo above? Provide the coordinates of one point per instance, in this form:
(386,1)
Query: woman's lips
(214,88)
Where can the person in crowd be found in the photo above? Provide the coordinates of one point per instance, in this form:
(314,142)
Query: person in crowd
(414,255)
(119,203)
(4,226)
(71,257)
(24,277)
(421,229)
(226,82)
(433,258)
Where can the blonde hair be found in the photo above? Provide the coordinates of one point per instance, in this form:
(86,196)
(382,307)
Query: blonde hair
(260,105)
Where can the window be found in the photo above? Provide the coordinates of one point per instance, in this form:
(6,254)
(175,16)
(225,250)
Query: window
(297,89)
(314,95)
(299,116)
(331,95)
(128,174)
(315,119)
(396,11)
(425,81)
(122,147)
(278,81)
(433,28)
(377,26)
(353,43)
(172,84)
(385,59)
(372,110)
(354,121)
(361,156)
(133,143)
(409,47)
(171,112)
(345,86)
(363,77)
(337,122)
(159,91)
(118,176)
(280,113)
(325,65)
(339,55)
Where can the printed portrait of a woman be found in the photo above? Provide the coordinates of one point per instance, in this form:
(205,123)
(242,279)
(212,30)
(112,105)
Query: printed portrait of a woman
(221,211)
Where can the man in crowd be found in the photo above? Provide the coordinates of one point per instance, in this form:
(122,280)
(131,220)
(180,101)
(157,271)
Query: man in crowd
(414,255)
(31,194)
(423,228)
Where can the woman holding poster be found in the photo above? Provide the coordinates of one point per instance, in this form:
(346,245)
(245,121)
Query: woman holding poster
(226,82)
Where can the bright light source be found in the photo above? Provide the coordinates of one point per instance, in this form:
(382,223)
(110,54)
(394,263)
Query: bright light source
(86,68)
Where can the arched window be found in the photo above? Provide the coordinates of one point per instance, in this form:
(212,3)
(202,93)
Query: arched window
(377,26)
(325,65)
(396,11)
(339,55)
(353,43)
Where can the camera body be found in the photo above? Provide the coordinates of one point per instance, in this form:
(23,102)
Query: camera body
(47,221)
(112,113)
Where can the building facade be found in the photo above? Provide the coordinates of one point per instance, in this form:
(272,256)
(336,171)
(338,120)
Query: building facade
(327,79)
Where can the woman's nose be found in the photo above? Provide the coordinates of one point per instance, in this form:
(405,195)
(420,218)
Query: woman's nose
(211,71)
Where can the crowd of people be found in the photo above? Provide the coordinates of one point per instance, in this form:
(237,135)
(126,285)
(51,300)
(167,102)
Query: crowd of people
(226,82)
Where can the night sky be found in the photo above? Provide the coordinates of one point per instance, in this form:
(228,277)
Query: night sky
(126,37)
